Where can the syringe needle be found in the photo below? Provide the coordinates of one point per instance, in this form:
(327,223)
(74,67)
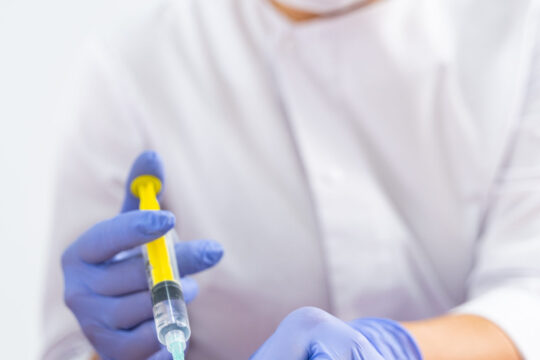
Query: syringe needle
(177,351)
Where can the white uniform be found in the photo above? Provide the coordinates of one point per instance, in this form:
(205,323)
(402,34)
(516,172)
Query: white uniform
(382,163)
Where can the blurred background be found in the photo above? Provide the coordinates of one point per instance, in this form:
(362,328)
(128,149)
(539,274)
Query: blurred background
(39,43)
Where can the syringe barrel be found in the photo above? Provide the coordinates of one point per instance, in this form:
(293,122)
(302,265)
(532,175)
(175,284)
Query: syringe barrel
(169,307)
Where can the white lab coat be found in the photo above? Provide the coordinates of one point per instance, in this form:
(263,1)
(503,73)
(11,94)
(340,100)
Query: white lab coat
(383,163)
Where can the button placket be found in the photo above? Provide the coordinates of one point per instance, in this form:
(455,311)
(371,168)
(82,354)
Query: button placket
(336,173)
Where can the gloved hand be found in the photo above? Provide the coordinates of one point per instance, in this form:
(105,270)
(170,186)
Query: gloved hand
(109,296)
(312,334)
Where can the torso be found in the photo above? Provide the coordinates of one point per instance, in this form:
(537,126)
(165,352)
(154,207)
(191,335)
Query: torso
(344,164)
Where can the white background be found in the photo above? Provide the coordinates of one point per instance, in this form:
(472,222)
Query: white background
(39,41)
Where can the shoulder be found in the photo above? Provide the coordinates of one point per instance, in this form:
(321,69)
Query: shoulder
(491,22)
(493,44)
(172,28)
(177,43)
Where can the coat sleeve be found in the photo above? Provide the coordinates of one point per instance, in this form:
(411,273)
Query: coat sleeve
(106,135)
(505,283)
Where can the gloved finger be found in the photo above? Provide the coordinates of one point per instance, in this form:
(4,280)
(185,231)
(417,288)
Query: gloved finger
(139,343)
(291,340)
(190,289)
(147,163)
(195,256)
(119,278)
(162,354)
(313,334)
(128,276)
(337,340)
(390,337)
(123,232)
(279,346)
(113,313)
(128,311)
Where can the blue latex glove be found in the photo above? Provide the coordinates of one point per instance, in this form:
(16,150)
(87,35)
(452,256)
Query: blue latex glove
(110,297)
(313,334)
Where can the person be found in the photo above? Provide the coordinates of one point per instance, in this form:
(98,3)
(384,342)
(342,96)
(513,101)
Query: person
(367,169)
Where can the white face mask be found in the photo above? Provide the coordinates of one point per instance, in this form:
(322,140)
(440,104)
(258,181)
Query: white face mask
(322,6)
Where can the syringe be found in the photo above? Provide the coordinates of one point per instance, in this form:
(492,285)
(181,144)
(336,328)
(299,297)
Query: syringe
(169,308)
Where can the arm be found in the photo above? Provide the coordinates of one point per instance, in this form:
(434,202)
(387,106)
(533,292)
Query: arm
(312,334)
(462,337)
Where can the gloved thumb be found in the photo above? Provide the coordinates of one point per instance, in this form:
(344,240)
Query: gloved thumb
(147,163)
